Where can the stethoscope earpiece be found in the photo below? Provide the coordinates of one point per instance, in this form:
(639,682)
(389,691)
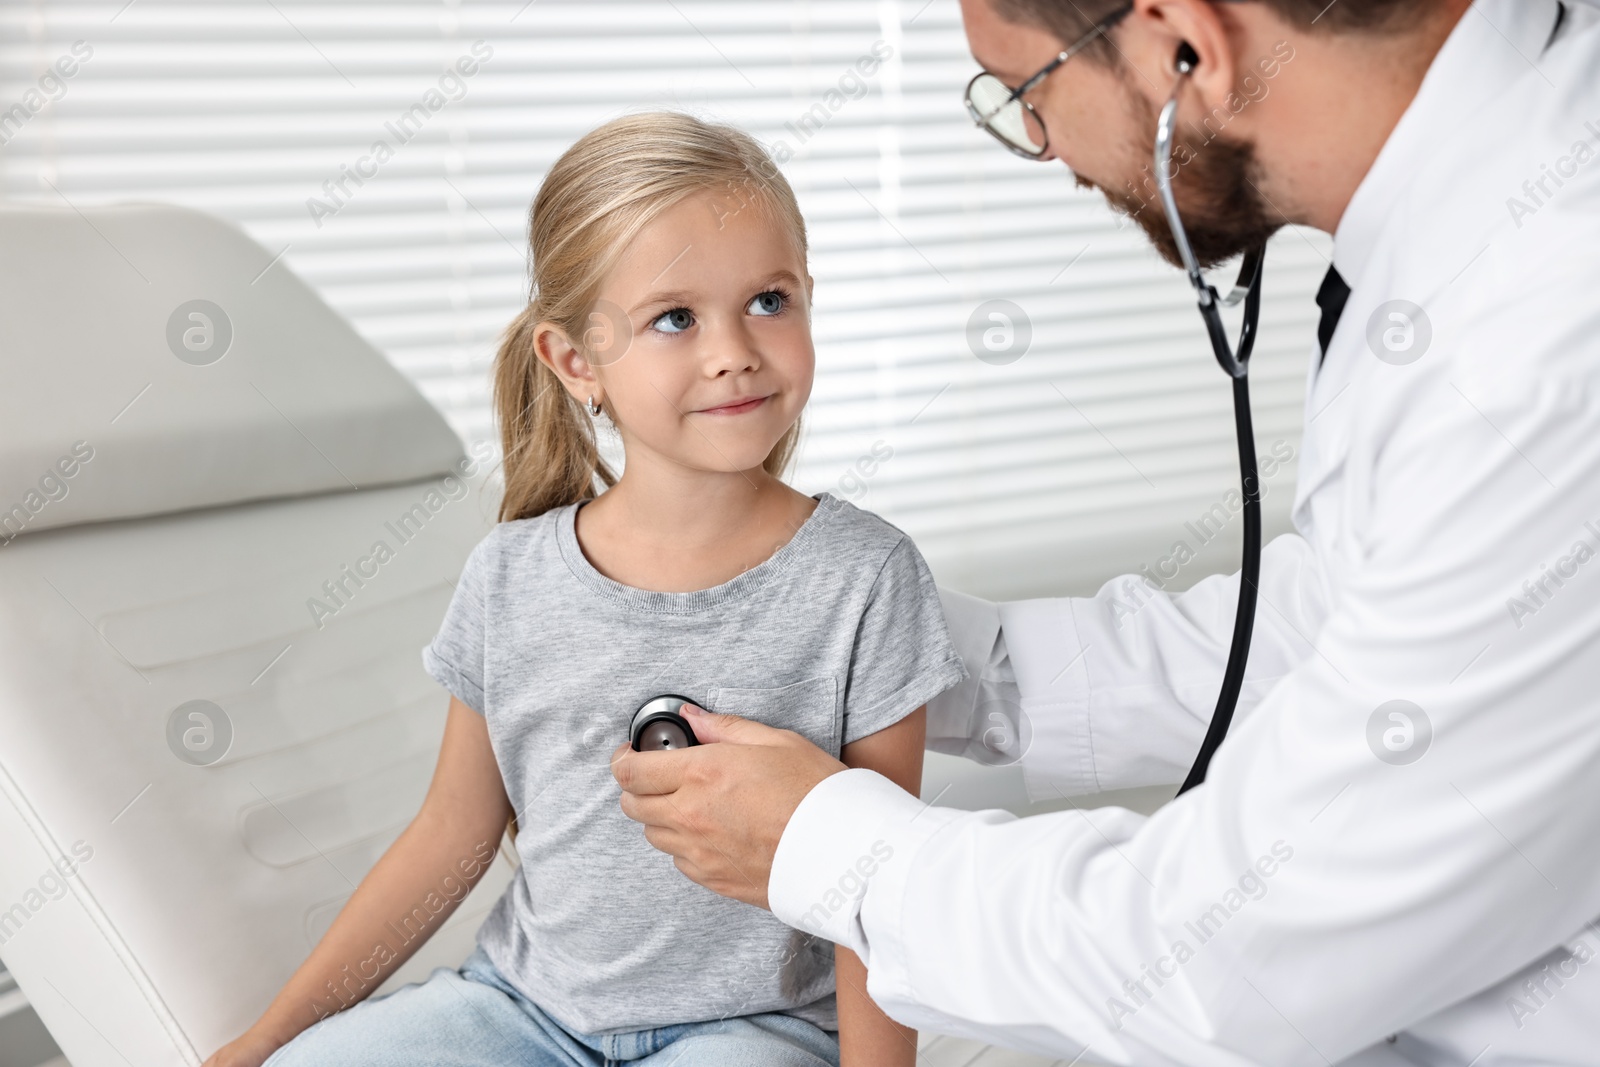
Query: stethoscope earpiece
(1188,59)
(659,725)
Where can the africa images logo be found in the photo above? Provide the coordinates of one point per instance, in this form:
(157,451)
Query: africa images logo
(1252,885)
(1399,732)
(342,588)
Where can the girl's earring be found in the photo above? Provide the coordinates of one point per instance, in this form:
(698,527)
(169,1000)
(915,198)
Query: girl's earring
(594,409)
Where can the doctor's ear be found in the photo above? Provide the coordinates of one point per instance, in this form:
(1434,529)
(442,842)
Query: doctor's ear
(1166,36)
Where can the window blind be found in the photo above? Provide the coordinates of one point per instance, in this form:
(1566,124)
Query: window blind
(1042,444)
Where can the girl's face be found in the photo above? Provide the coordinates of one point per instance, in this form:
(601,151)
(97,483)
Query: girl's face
(705,352)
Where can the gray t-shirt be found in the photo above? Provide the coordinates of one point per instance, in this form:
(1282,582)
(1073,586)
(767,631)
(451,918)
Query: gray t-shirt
(836,636)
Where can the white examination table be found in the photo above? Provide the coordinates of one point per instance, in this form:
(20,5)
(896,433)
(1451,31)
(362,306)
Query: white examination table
(175,564)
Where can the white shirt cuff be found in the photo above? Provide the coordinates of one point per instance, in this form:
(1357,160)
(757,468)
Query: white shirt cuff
(974,626)
(855,833)
(1048,661)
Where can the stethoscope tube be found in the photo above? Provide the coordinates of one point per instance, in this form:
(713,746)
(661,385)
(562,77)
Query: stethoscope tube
(1237,365)
(1249,582)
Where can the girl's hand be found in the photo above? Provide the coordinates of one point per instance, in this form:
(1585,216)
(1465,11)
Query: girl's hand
(248,1050)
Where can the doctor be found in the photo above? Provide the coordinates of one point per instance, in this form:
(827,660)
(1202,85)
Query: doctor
(1395,858)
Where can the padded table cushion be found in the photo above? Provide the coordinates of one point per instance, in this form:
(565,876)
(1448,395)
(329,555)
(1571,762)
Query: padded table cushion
(213,713)
(95,306)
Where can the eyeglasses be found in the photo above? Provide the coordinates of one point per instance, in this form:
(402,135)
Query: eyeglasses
(1011,119)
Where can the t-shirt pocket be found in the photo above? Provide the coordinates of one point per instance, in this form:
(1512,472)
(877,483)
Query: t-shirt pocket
(809,707)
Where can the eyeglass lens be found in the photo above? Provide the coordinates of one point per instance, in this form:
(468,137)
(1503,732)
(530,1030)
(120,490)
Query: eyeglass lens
(1015,124)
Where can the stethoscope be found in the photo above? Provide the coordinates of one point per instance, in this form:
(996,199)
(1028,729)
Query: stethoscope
(659,723)
(1248,290)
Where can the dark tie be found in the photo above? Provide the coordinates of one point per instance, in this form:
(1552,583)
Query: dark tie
(1331,299)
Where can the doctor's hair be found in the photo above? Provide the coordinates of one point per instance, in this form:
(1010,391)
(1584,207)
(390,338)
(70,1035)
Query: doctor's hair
(1071,19)
(605,189)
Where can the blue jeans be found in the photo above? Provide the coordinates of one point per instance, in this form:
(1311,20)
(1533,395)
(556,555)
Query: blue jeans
(475,1018)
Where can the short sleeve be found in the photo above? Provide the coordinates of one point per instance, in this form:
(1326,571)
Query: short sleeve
(455,656)
(903,654)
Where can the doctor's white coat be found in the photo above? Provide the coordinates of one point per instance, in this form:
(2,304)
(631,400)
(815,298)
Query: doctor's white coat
(1396,856)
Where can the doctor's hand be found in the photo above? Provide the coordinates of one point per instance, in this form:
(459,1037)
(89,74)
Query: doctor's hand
(719,808)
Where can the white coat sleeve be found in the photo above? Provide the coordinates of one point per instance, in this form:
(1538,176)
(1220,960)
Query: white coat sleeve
(1115,691)
(1352,864)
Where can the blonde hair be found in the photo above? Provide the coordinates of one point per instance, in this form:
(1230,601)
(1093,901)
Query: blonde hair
(597,197)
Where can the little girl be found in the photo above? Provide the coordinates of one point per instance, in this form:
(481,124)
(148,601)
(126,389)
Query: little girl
(671,300)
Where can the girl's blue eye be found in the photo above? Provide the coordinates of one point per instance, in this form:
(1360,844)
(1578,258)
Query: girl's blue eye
(675,321)
(768,303)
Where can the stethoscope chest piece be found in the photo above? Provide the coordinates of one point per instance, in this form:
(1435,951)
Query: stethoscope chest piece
(659,725)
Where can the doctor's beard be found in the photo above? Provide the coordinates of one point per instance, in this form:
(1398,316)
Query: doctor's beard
(1215,183)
